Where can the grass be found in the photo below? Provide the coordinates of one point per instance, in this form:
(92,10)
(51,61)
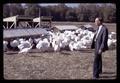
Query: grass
(59,65)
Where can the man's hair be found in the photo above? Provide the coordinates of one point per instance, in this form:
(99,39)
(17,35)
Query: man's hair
(100,19)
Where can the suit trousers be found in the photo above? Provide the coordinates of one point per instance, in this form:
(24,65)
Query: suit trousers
(97,66)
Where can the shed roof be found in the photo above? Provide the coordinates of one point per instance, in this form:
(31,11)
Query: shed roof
(12,33)
(66,27)
(88,26)
(10,19)
(38,19)
(15,18)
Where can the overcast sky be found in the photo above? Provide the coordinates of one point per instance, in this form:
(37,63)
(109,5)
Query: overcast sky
(68,4)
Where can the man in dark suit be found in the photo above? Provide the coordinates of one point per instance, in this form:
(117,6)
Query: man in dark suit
(100,44)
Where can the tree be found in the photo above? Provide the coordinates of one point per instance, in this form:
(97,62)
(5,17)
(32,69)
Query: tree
(71,15)
(12,9)
(109,12)
(80,12)
(32,10)
(6,10)
(84,12)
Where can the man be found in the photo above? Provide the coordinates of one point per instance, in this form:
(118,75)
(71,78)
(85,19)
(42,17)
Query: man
(100,44)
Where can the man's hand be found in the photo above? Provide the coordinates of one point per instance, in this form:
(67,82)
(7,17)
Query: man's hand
(100,51)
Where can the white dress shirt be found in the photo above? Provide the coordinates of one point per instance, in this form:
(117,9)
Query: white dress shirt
(98,31)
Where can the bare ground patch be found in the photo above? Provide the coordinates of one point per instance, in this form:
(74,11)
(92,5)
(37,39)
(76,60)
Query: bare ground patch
(59,65)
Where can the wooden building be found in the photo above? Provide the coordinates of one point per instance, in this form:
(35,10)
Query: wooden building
(43,21)
(17,22)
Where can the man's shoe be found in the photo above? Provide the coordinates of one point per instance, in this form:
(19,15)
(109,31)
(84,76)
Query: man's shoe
(95,78)
(100,72)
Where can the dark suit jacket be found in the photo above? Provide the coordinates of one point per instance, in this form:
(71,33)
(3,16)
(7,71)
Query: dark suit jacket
(101,41)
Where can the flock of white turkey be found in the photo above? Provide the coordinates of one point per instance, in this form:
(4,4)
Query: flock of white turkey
(55,41)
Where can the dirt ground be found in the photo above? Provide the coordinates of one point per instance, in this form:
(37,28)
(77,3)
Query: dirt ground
(58,65)
(110,26)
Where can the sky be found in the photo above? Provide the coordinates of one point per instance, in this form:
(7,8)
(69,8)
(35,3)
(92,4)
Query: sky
(68,4)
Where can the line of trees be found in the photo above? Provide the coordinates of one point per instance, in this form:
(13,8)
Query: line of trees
(83,13)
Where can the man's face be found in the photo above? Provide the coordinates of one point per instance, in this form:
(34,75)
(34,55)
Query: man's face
(97,21)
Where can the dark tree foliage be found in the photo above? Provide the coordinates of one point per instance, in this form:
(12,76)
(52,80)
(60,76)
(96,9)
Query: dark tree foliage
(83,13)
